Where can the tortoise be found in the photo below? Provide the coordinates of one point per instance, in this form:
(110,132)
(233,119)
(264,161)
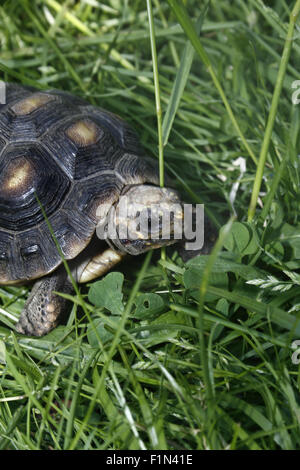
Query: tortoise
(63,165)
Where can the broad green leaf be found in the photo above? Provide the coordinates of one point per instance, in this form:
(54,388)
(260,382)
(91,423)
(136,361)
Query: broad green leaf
(193,277)
(148,304)
(167,329)
(98,330)
(47,347)
(107,293)
(241,239)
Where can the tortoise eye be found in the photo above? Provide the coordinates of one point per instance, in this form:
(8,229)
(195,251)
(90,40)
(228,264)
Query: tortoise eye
(125,241)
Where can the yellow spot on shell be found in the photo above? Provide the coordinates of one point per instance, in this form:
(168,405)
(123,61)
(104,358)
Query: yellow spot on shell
(19,177)
(83,133)
(30,104)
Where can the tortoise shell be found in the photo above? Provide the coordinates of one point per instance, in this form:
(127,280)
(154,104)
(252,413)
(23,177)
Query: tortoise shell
(59,152)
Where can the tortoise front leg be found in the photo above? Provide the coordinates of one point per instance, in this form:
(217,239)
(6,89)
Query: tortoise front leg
(43,308)
(99,265)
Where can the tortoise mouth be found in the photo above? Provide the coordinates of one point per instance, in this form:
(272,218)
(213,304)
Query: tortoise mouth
(27,176)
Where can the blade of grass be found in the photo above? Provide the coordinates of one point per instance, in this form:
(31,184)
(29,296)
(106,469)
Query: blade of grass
(157,103)
(157,93)
(188,27)
(202,291)
(273,110)
(165,25)
(277,315)
(77,23)
(108,356)
(270,196)
(180,81)
(54,47)
(75,398)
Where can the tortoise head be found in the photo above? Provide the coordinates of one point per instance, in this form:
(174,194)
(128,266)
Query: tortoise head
(144,217)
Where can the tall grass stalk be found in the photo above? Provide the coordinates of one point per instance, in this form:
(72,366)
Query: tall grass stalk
(273,110)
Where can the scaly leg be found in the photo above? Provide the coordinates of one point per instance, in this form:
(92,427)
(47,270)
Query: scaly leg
(43,308)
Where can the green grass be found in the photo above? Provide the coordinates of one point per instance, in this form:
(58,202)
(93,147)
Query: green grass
(182,356)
